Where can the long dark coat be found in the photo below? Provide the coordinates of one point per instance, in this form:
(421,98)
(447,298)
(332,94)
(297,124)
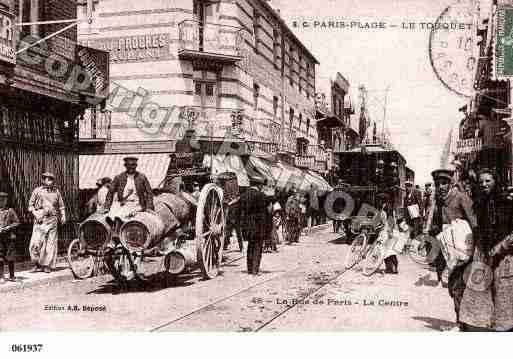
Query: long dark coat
(487,300)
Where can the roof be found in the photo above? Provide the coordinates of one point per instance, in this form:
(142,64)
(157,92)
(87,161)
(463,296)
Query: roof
(91,167)
(374,148)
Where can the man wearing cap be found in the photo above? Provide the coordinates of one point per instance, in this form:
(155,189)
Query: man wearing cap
(393,183)
(428,197)
(254,218)
(450,204)
(196,190)
(379,174)
(293,217)
(133,191)
(97,202)
(8,222)
(414,209)
(47,206)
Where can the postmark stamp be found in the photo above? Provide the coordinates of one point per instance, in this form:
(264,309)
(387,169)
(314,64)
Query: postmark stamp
(453,51)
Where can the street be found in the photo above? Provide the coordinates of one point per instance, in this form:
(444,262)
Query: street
(303,287)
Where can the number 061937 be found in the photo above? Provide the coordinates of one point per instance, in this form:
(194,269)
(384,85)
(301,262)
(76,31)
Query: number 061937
(26,348)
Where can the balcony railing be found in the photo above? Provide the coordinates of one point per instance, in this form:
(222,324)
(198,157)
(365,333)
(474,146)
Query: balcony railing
(95,126)
(256,147)
(318,152)
(209,41)
(304,161)
(320,166)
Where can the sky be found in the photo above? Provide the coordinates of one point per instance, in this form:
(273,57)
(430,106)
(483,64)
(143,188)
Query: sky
(420,110)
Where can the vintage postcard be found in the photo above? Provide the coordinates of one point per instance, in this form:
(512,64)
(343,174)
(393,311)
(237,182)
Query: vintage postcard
(255,166)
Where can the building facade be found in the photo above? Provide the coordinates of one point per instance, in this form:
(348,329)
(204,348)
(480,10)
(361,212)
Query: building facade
(44,89)
(226,70)
(484,133)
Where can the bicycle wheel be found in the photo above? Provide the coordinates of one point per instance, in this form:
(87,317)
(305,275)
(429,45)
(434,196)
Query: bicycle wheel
(80,262)
(356,249)
(374,258)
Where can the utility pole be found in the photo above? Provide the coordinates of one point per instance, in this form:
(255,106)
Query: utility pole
(384,114)
(362,126)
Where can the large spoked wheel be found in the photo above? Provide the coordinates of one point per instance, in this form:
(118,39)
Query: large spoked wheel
(373,259)
(210,230)
(356,249)
(80,262)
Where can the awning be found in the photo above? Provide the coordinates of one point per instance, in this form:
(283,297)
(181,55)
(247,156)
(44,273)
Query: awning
(287,176)
(320,182)
(260,166)
(92,167)
(228,163)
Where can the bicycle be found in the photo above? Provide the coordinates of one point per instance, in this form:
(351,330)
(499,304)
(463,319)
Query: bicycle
(361,247)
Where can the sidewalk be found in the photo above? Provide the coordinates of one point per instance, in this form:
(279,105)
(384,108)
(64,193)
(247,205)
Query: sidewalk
(26,279)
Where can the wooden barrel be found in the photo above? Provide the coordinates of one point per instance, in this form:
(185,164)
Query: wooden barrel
(180,208)
(95,231)
(166,215)
(141,231)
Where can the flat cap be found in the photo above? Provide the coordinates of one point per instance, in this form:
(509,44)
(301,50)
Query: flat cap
(442,173)
(3,194)
(130,159)
(48,175)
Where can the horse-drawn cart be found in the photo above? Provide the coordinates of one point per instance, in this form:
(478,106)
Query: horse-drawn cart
(183,232)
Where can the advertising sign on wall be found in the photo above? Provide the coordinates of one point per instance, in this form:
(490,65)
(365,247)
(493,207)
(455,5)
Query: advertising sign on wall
(7,47)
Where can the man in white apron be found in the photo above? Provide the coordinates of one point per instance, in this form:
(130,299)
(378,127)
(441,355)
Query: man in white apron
(47,206)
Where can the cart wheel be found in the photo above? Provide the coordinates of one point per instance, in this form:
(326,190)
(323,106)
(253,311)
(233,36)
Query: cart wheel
(373,259)
(355,253)
(80,262)
(210,228)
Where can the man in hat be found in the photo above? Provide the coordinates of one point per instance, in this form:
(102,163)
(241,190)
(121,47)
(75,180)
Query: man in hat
(97,202)
(196,190)
(428,199)
(254,218)
(293,216)
(450,204)
(414,209)
(8,222)
(379,174)
(133,191)
(393,183)
(47,206)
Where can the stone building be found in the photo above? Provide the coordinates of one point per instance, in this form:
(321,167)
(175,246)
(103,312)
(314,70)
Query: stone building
(44,89)
(226,70)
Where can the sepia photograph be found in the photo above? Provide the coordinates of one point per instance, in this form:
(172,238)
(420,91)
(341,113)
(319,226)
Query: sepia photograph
(273,166)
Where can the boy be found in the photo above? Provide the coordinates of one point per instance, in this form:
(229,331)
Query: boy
(8,222)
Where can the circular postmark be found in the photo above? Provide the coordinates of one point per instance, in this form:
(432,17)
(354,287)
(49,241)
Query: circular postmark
(453,50)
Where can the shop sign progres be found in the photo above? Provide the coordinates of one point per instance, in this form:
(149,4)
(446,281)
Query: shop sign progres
(133,48)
